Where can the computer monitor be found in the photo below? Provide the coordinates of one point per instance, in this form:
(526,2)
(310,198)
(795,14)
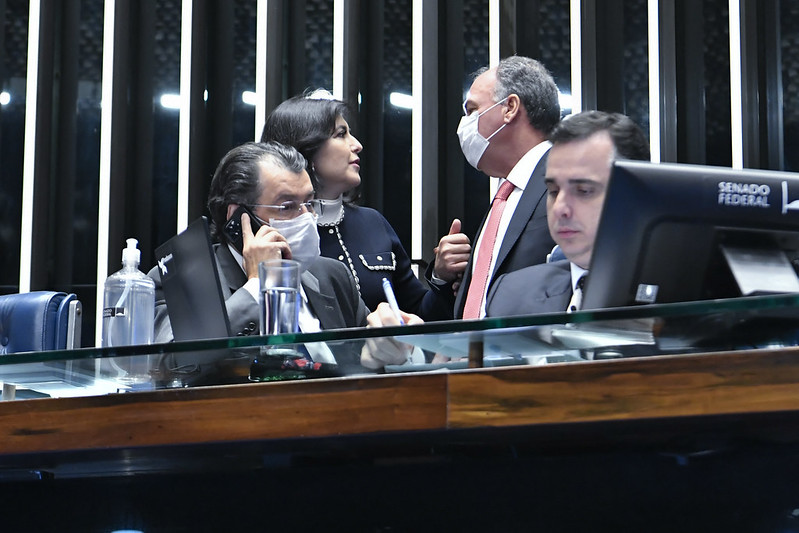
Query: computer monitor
(677,232)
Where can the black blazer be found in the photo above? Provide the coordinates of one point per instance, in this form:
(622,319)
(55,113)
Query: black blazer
(376,253)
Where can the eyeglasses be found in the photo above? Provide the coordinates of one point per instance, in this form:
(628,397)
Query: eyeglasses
(291,208)
(466,112)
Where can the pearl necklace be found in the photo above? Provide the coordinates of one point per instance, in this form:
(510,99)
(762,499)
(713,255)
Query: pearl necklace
(333,227)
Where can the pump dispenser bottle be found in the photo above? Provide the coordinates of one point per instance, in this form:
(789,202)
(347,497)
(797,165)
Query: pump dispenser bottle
(129,302)
(128,315)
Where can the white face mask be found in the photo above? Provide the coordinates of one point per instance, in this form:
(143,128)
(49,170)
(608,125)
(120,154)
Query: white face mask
(473,144)
(302,236)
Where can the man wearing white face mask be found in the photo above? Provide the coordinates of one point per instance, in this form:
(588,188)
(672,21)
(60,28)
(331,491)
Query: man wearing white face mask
(508,113)
(270,181)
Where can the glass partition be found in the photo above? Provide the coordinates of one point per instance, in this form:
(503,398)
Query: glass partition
(586,337)
(75,222)
(397,80)
(475,55)
(166,118)
(717,94)
(635,67)
(555,44)
(13,77)
(319,44)
(789,53)
(243,83)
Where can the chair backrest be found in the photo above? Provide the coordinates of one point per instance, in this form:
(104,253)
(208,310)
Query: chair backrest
(37,321)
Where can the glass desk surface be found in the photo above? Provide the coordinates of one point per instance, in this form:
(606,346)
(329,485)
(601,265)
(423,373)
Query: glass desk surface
(582,337)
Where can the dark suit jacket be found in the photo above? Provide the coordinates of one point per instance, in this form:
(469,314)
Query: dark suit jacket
(545,288)
(526,242)
(331,291)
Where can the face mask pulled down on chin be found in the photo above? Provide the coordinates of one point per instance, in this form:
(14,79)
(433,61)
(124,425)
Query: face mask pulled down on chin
(302,237)
(473,144)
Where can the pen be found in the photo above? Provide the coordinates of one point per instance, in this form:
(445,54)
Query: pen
(392,300)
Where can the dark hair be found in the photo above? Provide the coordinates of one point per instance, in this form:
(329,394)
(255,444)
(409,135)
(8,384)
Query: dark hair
(306,123)
(533,84)
(237,179)
(628,139)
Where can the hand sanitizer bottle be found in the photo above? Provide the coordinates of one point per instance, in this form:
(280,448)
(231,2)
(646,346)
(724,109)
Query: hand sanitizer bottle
(129,314)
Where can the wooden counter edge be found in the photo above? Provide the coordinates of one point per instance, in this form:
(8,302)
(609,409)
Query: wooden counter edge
(744,382)
(263,411)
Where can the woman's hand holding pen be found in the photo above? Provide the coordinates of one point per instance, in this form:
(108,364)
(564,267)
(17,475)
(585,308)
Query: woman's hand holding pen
(381,351)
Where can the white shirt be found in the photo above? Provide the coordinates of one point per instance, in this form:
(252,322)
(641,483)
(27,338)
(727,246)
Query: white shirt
(519,176)
(576,302)
(577,273)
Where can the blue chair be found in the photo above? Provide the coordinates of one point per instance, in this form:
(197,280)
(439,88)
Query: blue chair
(38,321)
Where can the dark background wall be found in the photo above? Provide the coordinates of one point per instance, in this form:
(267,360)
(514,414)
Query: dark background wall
(695,60)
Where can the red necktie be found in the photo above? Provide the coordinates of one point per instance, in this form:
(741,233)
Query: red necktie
(477,287)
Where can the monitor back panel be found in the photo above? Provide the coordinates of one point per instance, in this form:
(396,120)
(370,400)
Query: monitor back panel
(191,285)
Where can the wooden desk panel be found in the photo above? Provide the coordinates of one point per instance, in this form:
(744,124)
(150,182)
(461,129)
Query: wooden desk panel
(319,408)
(737,383)
(627,389)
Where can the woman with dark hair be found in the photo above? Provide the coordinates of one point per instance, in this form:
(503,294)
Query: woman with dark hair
(359,237)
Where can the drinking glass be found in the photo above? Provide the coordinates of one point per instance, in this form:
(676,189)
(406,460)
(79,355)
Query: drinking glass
(280,296)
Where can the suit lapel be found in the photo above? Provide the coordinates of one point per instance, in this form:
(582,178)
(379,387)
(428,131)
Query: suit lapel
(232,277)
(528,204)
(323,306)
(562,279)
(560,291)
(555,289)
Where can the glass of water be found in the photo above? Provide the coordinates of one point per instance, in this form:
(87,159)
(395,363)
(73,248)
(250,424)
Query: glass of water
(280,296)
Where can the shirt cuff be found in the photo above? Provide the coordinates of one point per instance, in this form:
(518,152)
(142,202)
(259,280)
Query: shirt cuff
(416,356)
(435,280)
(253,286)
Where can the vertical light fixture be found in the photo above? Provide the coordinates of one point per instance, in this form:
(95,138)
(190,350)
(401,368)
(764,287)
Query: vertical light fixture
(493,61)
(493,33)
(416,127)
(576,44)
(184,131)
(260,67)
(29,155)
(338,49)
(653,21)
(104,190)
(736,81)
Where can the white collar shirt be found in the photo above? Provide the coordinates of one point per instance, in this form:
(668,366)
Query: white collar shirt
(576,302)
(518,176)
(577,273)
